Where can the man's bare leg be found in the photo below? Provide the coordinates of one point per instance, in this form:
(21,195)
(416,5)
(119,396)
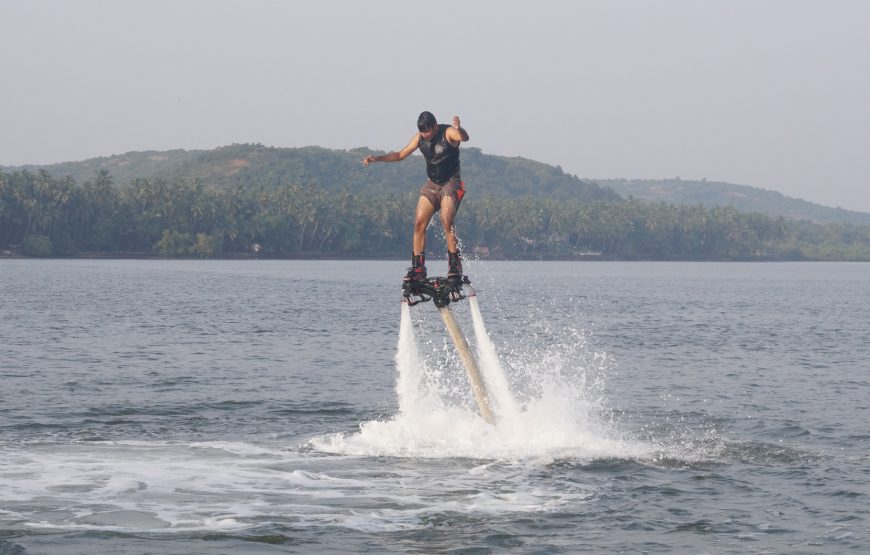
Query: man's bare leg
(417,271)
(448,214)
(454,260)
(424,214)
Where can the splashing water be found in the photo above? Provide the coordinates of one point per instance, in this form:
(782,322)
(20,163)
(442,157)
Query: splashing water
(499,390)
(549,404)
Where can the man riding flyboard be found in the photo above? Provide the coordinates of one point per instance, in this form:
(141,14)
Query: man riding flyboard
(443,192)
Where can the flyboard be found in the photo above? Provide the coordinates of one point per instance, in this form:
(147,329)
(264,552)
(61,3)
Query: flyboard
(443,291)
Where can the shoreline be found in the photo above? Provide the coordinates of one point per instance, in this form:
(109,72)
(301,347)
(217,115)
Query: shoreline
(11,255)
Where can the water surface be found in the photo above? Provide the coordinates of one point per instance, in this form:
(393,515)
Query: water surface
(252,406)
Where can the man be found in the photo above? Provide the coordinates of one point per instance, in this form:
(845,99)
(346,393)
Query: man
(439,145)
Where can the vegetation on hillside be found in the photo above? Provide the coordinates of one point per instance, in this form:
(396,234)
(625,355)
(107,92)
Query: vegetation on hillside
(259,167)
(42,215)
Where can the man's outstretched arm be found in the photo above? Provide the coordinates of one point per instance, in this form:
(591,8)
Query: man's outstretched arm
(397,156)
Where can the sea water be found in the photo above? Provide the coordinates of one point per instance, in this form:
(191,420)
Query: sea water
(299,407)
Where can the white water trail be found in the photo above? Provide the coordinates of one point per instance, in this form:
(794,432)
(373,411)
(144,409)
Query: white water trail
(408,363)
(497,386)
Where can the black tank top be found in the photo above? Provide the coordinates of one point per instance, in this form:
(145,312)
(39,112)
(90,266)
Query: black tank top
(442,158)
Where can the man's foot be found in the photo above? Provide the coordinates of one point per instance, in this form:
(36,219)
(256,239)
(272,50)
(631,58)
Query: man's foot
(416,274)
(417,271)
(454,266)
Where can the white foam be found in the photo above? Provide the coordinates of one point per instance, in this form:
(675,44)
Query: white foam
(236,448)
(182,487)
(559,413)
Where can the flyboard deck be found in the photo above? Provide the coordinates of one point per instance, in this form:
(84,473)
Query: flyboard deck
(442,292)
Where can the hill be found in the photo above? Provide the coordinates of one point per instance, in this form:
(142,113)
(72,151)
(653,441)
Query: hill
(257,167)
(741,197)
(261,167)
(249,200)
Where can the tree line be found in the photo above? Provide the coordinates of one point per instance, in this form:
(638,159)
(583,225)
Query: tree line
(43,215)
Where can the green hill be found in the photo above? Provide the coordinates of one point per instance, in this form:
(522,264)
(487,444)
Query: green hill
(741,197)
(253,166)
(260,167)
(250,200)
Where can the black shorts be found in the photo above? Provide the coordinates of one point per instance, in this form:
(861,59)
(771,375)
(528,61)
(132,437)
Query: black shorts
(436,191)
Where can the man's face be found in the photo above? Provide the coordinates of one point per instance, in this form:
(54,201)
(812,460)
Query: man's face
(429,133)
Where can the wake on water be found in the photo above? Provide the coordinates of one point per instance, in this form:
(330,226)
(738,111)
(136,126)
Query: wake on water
(549,404)
(547,396)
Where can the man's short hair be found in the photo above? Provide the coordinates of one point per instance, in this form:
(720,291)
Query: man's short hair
(425,121)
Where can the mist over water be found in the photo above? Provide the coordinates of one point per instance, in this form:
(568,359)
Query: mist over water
(183,406)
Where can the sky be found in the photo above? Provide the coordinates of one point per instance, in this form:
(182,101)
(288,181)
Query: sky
(767,93)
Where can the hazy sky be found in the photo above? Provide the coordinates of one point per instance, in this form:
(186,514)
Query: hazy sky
(774,94)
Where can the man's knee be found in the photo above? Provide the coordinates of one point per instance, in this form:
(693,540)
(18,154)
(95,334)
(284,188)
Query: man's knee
(420,224)
(447,218)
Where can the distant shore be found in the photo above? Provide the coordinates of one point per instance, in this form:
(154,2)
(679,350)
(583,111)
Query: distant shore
(144,255)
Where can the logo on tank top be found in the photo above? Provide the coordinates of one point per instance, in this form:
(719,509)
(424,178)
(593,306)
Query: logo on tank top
(439,149)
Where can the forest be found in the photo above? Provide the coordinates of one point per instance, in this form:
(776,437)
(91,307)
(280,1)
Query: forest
(45,215)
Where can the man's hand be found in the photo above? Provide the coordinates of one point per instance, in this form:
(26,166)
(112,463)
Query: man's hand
(458,133)
(368,160)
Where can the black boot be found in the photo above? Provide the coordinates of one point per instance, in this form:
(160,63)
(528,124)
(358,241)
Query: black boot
(417,271)
(454,266)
